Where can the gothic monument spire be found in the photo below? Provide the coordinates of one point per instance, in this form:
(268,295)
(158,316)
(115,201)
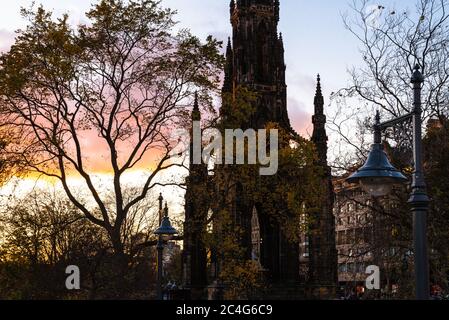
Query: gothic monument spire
(255,59)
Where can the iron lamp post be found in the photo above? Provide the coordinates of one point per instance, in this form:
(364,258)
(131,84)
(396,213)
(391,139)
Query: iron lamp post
(165,229)
(378,176)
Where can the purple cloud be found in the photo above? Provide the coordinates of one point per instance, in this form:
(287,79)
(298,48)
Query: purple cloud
(300,119)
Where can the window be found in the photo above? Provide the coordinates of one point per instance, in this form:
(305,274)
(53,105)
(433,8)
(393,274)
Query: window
(360,267)
(351,267)
(341,238)
(306,249)
(350,219)
(343,267)
(306,241)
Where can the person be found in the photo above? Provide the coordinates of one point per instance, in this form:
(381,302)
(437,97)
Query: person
(167,289)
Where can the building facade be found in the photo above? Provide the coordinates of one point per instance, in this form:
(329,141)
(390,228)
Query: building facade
(367,234)
(255,61)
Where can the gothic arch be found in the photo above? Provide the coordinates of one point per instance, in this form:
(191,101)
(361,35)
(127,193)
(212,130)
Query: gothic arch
(255,236)
(262,57)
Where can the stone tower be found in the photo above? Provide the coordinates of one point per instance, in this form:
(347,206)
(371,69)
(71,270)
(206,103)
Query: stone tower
(322,247)
(255,58)
(194,260)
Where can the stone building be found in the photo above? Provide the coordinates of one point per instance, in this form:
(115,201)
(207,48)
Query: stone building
(367,234)
(255,60)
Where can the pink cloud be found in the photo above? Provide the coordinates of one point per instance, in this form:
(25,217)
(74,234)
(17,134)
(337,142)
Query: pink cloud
(300,119)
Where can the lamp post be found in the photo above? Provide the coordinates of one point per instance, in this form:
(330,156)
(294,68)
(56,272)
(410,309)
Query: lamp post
(165,229)
(377,177)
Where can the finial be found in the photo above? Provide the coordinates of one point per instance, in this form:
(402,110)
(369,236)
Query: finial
(232,7)
(166,209)
(160,196)
(319,100)
(276,7)
(229,46)
(281,42)
(318,85)
(377,129)
(195,104)
(417,76)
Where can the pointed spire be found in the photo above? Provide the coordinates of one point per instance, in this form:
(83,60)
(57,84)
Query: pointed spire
(281,45)
(277,9)
(319,136)
(319,100)
(229,47)
(229,69)
(195,104)
(196,114)
(318,85)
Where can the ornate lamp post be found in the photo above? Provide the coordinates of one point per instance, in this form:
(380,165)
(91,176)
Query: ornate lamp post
(377,177)
(165,229)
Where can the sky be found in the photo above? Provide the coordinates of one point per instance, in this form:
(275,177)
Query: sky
(314,37)
(315,40)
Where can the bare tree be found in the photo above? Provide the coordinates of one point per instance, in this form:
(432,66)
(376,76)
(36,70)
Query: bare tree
(122,82)
(392,41)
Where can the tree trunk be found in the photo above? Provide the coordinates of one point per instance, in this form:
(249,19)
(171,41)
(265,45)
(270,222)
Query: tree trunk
(120,265)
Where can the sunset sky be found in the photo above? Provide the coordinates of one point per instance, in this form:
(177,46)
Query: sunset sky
(314,36)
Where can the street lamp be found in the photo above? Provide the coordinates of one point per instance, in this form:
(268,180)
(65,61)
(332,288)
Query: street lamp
(165,229)
(378,176)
